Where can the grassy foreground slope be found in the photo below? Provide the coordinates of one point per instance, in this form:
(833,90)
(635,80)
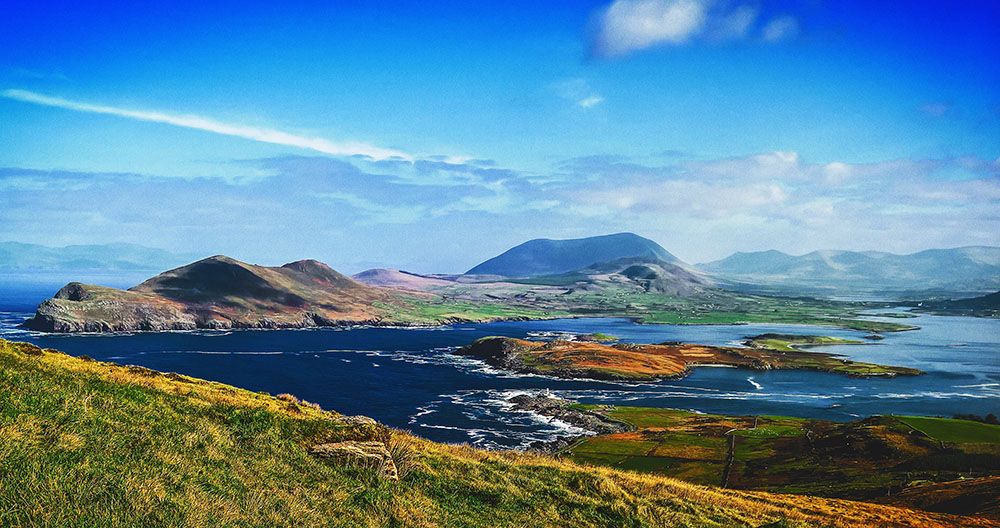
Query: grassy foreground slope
(85,443)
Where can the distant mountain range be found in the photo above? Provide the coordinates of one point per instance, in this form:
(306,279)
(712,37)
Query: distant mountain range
(621,259)
(544,256)
(973,269)
(20,257)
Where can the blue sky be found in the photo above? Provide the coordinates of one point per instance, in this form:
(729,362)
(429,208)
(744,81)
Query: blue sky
(432,135)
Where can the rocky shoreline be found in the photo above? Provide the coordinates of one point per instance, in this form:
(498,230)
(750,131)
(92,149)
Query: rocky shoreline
(566,411)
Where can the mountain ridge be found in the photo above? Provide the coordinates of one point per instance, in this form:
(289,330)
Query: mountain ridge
(967,268)
(216,292)
(545,256)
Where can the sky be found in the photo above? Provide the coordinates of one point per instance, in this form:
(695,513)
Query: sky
(430,136)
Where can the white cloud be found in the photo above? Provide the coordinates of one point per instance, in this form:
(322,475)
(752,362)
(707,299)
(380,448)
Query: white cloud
(376,213)
(579,92)
(263,135)
(779,198)
(736,24)
(781,28)
(590,102)
(631,25)
(690,197)
(628,26)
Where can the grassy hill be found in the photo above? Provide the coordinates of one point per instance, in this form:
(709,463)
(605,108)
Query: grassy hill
(85,443)
(864,459)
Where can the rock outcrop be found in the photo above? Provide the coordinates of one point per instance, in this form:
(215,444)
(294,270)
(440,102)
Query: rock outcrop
(365,454)
(564,411)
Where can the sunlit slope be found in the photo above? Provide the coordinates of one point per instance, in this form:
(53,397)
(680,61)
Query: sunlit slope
(85,443)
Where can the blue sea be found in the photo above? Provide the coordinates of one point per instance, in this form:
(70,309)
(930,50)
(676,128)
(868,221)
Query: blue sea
(409,378)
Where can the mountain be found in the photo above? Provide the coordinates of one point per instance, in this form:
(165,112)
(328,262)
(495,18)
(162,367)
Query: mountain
(401,280)
(983,302)
(216,292)
(974,269)
(89,443)
(551,257)
(982,306)
(653,275)
(18,257)
(641,274)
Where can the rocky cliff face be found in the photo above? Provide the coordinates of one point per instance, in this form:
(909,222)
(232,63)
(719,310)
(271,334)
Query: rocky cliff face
(217,292)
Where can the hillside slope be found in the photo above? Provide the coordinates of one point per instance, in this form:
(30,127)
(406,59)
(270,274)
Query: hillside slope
(398,279)
(216,292)
(86,443)
(982,306)
(551,257)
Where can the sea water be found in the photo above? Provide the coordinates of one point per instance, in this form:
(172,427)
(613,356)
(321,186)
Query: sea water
(410,379)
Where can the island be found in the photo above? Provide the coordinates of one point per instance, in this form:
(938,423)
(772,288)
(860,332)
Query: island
(644,362)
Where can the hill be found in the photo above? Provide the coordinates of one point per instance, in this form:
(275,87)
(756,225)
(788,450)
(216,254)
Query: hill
(552,257)
(398,279)
(874,458)
(966,269)
(19,257)
(221,292)
(87,443)
(982,306)
(216,292)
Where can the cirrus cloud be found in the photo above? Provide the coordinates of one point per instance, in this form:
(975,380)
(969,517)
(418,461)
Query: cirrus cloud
(263,135)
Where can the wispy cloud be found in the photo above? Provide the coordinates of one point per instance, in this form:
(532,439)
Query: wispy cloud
(579,92)
(628,26)
(781,28)
(263,135)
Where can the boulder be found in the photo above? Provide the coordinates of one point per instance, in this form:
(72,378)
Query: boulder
(361,454)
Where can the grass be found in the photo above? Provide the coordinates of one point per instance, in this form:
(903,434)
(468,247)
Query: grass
(861,459)
(534,299)
(587,359)
(421,310)
(91,444)
(791,342)
(954,430)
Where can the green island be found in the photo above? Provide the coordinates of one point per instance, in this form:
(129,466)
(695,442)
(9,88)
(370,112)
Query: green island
(629,361)
(87,443)
(717,307)
(792,342)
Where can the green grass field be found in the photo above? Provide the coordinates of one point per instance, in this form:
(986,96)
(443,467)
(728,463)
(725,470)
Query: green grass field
(951,430)
(793,455)
(713,307)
